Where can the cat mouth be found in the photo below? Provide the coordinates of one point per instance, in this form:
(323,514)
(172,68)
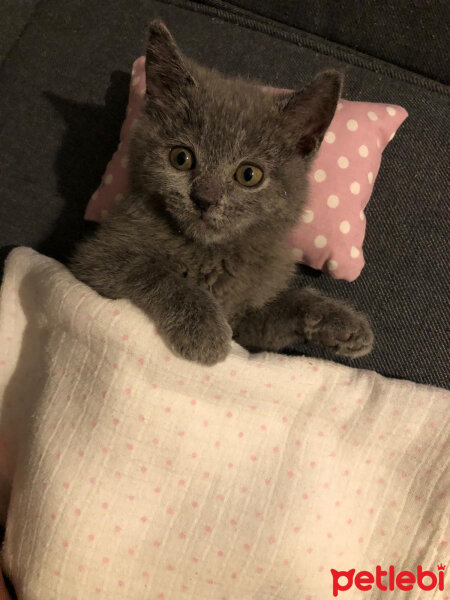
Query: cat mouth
(206,219)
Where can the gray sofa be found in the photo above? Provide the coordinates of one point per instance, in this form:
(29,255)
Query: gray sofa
(63,91)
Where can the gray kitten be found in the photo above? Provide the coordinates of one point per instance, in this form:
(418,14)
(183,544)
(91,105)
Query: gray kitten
(218,178)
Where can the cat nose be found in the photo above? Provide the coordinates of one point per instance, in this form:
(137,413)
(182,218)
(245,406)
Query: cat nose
(206,193)
(201,201)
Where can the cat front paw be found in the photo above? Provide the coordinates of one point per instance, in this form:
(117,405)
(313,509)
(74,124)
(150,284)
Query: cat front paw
(203,338)
(339,327)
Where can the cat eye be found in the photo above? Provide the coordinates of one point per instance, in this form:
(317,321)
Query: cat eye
(181,158)
(248,175)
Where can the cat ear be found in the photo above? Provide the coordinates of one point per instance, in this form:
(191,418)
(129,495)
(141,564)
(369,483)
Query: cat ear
(307,113)
(165,69)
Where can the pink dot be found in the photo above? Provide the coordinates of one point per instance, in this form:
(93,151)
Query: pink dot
(77,512)
(91,537)
(104,505)
(105,560)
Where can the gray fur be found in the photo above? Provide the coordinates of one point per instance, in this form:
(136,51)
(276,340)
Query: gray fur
(202,255)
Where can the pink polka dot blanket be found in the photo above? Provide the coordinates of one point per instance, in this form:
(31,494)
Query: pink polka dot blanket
(127,472)
(330,233)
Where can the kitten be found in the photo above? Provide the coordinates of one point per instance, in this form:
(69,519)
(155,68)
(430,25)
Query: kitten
(218,176)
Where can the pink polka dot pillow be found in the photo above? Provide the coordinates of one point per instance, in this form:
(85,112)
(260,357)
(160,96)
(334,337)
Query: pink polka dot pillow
(330,233)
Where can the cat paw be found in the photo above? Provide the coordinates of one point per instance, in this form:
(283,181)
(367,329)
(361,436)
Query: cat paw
(339,327)
(205,338)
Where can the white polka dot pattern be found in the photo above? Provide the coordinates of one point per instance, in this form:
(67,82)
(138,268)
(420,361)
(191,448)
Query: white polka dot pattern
(350,154)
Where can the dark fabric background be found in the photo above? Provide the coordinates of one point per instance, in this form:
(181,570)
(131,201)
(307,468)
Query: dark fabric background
(414,34)
(63,93)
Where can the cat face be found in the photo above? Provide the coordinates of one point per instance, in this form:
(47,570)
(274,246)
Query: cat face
(220,156)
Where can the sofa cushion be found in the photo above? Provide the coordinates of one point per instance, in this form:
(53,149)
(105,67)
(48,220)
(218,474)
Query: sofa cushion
(412,35)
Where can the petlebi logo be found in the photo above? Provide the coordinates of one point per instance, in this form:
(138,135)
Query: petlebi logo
(388,580)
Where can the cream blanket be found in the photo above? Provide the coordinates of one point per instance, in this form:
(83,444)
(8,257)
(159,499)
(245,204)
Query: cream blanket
(139,475)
